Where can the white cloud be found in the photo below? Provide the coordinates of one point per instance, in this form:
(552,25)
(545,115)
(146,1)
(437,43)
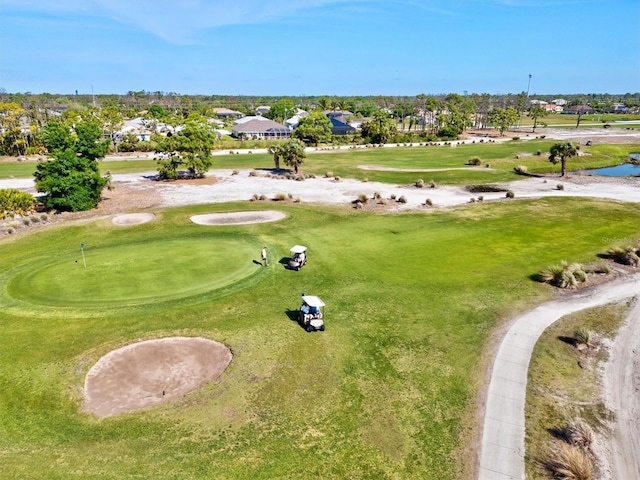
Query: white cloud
(175,21)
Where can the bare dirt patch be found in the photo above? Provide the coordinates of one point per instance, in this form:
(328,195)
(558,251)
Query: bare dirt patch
(151,372)
(238,218)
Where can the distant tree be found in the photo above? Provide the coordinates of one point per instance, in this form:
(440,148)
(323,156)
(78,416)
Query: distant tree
(192,147)
(293,153)
(157,112)
(379,129)
(324,104)
(111,120)
(12,141)
(503,118)
(281,110)
(313,129)
(536,112)
(561,152)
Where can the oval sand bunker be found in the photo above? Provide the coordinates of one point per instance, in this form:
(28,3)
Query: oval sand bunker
(238,218)
(127,219)
(151,372)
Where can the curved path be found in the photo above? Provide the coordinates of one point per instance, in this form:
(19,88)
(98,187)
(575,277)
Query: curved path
(502,448)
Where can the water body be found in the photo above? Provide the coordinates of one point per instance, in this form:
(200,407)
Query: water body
(624,170)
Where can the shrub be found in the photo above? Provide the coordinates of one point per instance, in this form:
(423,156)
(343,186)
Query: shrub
(328,174)
(253,173)
(35,218)
(365,179)
(432,184)
(510,194)
(563,275)
(393,196)
(428,202)
(419,183)
(363,198)
(474,161)
(472,200)
(624,255)
(26,221)
(402,199)
(262,197)
(569,463)
(538,152)
(297,200)
(521,169)
(14,201)
(481,198)
(44,216)
(235,172)
(560,186)
(377,195)
(582,336)
(383,201)
(515,139)
(279,197)
(336,179)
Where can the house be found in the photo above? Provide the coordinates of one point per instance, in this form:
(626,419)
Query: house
(559,101)
(294,121)
(227,113)
(579,110)
(259,127)
(339,127)
(538,102)
(357,122)
(261,110)
(552,108)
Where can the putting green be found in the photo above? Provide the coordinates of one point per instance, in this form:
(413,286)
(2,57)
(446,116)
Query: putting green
(135,273)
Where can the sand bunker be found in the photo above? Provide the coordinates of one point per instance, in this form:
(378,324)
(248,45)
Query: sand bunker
(151,372)
(127,219)
(238,218)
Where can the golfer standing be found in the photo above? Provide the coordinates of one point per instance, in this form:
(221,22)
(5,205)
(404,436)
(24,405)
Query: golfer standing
(264,256)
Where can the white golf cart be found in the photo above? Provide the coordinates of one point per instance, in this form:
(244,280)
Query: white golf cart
(311,313)
(298,257)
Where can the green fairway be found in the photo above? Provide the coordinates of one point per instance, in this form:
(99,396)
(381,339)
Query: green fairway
(497,162)
(387,391)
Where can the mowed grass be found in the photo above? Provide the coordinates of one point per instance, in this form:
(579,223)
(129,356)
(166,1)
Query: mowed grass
(384,392)
(501,159)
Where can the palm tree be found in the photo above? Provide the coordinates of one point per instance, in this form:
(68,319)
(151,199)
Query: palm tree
(561,152)
(276,151)
(293,153)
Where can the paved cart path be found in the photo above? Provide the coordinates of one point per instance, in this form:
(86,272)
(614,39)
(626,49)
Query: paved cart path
(502,449)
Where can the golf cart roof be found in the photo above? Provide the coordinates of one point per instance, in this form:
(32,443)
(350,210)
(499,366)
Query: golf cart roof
(298,249)
(312,301)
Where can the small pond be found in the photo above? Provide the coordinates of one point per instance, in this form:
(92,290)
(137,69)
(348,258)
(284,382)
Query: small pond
(624,170)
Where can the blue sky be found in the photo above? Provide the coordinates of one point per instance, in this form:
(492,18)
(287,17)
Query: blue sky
(320,47)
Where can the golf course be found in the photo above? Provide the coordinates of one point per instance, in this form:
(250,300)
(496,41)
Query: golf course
(389,390)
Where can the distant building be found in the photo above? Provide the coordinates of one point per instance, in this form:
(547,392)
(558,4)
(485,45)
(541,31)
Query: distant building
(227,113)
(258,128)
(262,109)
(579,110)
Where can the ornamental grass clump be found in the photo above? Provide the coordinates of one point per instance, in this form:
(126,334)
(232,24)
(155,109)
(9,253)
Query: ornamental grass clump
(510,194)
(475,161)
(624,255)
(363,198)
(580,434)
(582,336)
(521,169)
(419,183)
(563,275)
(568,462)
(402,199)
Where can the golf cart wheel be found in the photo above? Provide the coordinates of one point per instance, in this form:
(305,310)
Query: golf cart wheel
(322,328)
(309,328)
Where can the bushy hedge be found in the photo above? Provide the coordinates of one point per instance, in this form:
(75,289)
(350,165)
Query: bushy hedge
(14,202)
